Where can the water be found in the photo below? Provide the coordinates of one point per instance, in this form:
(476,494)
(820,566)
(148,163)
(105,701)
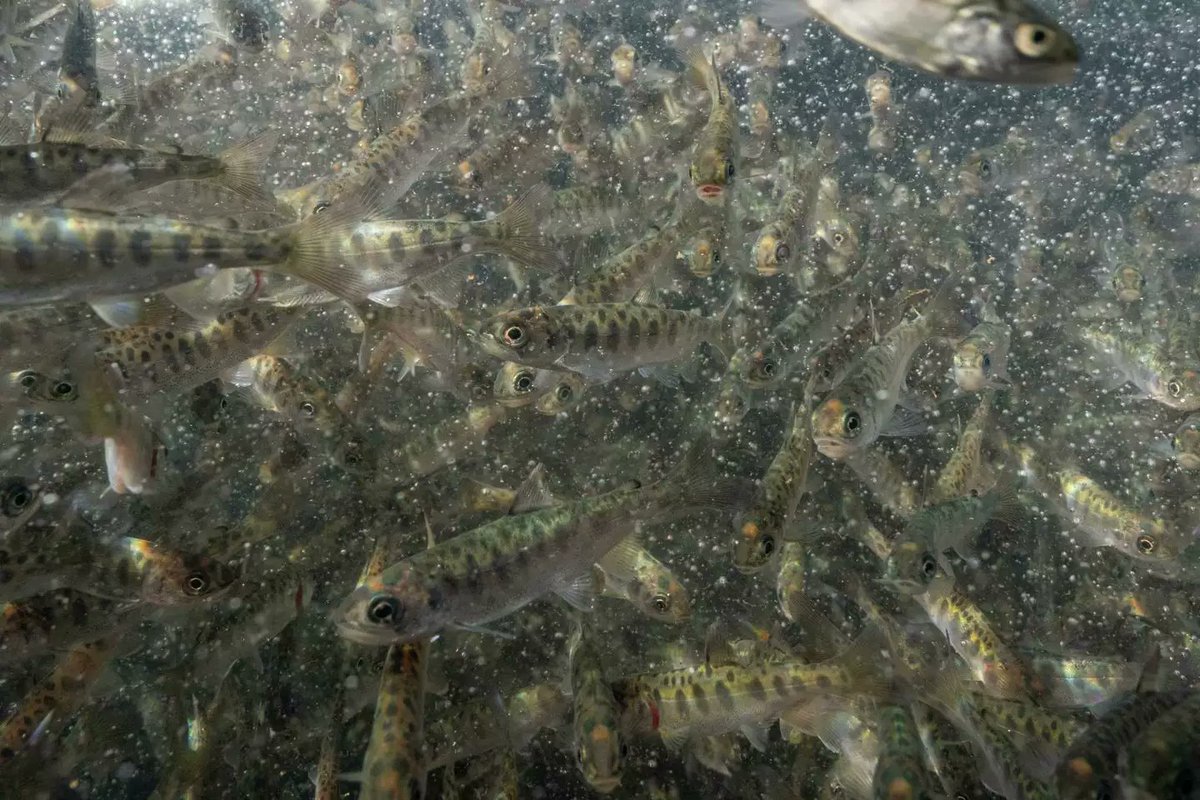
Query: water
(871,475)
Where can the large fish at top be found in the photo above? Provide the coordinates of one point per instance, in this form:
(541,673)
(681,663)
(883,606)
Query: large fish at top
(1002,41)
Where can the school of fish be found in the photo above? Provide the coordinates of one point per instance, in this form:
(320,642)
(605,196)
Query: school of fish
(550,399)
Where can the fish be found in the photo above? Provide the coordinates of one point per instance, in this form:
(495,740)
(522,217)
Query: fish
(759,533)
(647,583)
(900,770)
(1000,42)
(917,556)
(600,341)
(713,699)
(858,410)
(491,571)
(596,725)
(714,154)
(61,160)
(1125,358)
(394,762)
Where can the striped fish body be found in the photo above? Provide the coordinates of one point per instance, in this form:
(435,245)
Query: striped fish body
(142,362)
(599,341)
(54,254)
(711,700)
(29,171)
(854,413)
(491,571)
(394,767)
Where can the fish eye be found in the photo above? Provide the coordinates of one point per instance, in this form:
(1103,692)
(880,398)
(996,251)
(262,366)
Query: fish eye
(308,409)
(28,379)
(565,392)
(768,368)
(928,566)
(1033,40)
(838,238)
(1175,388)
(320,206)
(63,388)
(852,423)
(987,361)
(728,169)
(523,383)
(16,499)
(661,602)
(767,545)
(782,252)
(985,168)
(624,750)
(195,584)
(514,336)
(383,609)
(1145,544)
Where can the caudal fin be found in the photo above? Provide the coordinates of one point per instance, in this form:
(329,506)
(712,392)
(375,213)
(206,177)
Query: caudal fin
(242,166)
(519,235)
(695,484)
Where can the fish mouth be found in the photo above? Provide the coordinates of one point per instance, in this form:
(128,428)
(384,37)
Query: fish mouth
(358,635)
(1045,73)
(832,448)
(970,379)
(1189,461)
(709,192)
(605,785)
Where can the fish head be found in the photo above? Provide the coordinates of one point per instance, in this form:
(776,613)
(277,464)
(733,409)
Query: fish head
(354,454)
(702,256)
(765,368)
(839,428)
(566,392)
(526,336)
(760,118)
(1128,284)
(755,544)
(972,367)
(1179,390)
(624,60)
(1017,45)
(174,578)
(711,171)
(1186,444)
(772,252)
(911,567)
(377,613)
(601,753)
(516,385)
(664,598)
(731,408)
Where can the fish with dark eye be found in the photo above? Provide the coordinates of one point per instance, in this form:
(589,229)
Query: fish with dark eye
(999,41)
(601,341)
(491,571)
(714,154)
(596,718)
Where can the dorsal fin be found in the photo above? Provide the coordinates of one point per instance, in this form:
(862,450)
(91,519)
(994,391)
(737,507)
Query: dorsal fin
(533,493)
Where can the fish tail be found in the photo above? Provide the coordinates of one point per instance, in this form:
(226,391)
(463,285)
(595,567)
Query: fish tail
(867,662)
(702,72)
(693,484)
(316,256)
(242,166)
(520,235)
